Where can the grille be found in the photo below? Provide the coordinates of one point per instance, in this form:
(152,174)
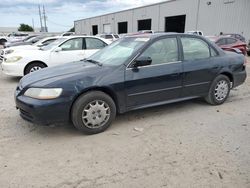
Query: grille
(26,115)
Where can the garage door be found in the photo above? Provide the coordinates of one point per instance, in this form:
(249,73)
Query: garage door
(107,28)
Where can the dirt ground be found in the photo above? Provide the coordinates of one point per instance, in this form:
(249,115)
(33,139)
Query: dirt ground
(187,144)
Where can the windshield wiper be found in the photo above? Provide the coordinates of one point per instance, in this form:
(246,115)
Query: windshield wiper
(93,61)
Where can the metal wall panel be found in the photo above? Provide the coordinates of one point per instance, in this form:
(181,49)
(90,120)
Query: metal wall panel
(210,16)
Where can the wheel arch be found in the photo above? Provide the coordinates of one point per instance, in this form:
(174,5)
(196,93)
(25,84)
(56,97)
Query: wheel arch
(36,61)
(229,75)
(105,90)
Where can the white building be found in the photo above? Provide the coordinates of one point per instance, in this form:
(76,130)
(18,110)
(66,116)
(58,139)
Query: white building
(210,16)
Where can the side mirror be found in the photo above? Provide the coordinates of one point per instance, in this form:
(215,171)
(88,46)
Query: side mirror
(58,49)
(142,61)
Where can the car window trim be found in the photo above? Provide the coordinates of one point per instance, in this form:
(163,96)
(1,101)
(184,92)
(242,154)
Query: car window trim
(129,66)
(146,66)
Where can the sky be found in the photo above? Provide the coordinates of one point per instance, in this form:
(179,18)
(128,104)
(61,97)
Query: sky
(61,14)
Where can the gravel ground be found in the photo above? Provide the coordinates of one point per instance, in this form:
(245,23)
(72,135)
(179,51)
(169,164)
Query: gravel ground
(187,144)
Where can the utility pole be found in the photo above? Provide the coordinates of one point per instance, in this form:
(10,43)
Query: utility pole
(197,15)
(33,24)
(44,18)
(41,30)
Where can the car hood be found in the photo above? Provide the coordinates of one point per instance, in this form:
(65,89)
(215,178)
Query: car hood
(30,53)
(70,71)
(18,44)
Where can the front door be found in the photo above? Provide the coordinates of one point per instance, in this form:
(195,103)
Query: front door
(158,82)
(71,50)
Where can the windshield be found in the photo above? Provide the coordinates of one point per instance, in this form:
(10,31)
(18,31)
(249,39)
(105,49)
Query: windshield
(53,44)
(118,52)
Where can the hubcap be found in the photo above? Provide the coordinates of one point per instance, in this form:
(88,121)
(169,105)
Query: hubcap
(35,68)
(96,114)
(221,90)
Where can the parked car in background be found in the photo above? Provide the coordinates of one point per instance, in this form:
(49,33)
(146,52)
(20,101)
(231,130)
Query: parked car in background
(27,41)
(110,37)
(237,36)
(43,42)
(64,50)
(141,32)
(229,43)
(131,73)
(248,48)
(3,39)
(195,33)
(67,34)
(12,37)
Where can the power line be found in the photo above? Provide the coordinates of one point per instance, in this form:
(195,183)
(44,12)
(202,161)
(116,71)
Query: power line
(57,23)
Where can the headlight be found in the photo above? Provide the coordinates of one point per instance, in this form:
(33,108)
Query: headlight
(13,59)
(8,51)
(43,93)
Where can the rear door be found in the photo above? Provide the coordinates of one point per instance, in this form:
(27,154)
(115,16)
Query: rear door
(199,64)
(158,82)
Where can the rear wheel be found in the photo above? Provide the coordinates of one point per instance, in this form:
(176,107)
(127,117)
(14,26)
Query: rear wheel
(93,112)
(33,67)
(219,90)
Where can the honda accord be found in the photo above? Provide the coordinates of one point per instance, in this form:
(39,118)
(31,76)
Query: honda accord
(132,73)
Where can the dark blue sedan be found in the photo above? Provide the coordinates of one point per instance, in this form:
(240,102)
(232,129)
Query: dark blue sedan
(132,73)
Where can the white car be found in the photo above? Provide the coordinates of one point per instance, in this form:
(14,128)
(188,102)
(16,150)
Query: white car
(3,39)
(64,50)
(43,42)
(195,33)
(110,37)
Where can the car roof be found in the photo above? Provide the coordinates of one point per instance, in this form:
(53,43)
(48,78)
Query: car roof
(156,35)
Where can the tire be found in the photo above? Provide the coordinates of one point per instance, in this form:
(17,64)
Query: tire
(219,90)
(3,41)
(93,112)
(33,67)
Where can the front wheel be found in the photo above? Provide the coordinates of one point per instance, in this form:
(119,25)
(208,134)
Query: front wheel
(219,90)
(93,112)
(33,67)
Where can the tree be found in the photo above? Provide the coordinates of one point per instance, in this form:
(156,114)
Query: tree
(72,29)
(25,27)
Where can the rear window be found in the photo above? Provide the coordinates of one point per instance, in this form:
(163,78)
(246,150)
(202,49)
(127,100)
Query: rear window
(231,41)
(116,36)
(108,36)
(221,42)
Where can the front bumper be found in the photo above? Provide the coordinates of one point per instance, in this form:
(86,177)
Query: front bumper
(43,112)
(12,69)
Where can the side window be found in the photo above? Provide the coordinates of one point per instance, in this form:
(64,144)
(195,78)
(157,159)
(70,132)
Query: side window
(48,41)
(221,42)
(230,41)
(162,51)
(93,43)
(194,48)
(72,44)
